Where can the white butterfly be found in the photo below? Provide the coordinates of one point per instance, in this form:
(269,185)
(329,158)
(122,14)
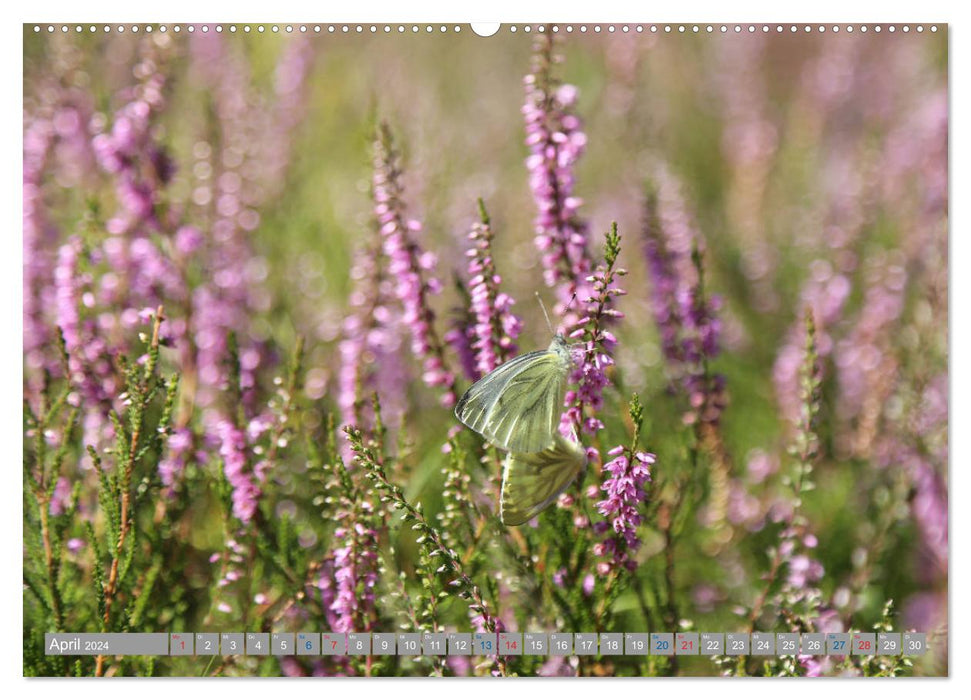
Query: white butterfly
(531,482)
(517,406)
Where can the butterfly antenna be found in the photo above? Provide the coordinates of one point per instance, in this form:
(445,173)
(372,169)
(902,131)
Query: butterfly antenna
(543,307)
(572,299)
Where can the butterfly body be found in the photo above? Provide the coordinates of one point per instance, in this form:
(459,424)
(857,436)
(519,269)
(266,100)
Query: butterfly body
(518,405)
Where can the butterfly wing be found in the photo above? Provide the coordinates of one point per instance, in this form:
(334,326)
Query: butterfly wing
(517,406)
(531,482)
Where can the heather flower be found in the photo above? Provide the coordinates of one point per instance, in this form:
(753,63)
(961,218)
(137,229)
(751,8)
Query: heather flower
(291,80)
(355,575)
(803,570)
(865,365)
(128,151)
(172,466)
(68,294)
(90,371)
(61,497)
(38,237)
(233,288)
(494,327)
(686,318)
(233,449)
(825,293)
(793,555)
(595,353)
(410,266)
(461,337)
(749,140)
(370,345)
(556,141)
(625,479)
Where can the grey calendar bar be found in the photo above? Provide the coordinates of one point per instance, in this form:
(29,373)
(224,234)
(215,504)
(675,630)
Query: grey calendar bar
(484,644)
(108,643)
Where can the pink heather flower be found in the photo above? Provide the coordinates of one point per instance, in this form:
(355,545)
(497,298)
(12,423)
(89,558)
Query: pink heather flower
(371,345)
(812,665)
(39,241)
(355,576)
(686,319)
(232,449)
(494,327)
(61,497)
(88,364)
(803,570)
(409,266)
(67,286)
(291,83)
(461,337)
(556,141)
(233,289)
(625,494)
(128,146)
(825,293)
(188,239)
(172,466)
(594,354)
(863,359)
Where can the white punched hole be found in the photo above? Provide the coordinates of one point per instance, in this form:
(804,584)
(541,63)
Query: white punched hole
(485,28)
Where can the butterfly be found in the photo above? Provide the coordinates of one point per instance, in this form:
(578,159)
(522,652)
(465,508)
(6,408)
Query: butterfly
(532,481)
(517,406)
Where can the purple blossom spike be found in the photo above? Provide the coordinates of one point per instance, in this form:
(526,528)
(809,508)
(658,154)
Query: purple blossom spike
(629,472)
(865,363)
(686,318)
(495,326)
(594,354)
(370,345)
(355,575)
(234,283)
(172,466)
(232,449)
(556,141)
(825,294)
(461,338)
(38,236)
(410,266)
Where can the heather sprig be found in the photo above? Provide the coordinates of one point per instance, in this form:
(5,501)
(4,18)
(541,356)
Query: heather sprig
(50,513)
(595,354)
(624,485)
(120,492)
(371,339)
(409,265)
(428,536)
(496,327)
(690,330)
(798,598)
(556,141)
(879,665)
(686,317)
